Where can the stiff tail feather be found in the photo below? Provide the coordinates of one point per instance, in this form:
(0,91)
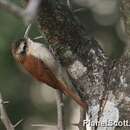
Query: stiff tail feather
(67,91)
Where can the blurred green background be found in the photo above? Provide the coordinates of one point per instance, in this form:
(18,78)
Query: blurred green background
(27,99)
(23,93)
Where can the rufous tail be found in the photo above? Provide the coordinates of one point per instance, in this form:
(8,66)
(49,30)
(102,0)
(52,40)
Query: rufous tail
(67,91)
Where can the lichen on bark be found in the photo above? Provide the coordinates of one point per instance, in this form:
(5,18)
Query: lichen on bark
(95,76)
(67,39)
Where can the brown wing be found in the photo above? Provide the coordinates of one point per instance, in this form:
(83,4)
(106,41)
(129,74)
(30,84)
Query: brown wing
(41,72)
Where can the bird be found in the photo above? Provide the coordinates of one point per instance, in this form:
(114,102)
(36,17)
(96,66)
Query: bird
(37,60)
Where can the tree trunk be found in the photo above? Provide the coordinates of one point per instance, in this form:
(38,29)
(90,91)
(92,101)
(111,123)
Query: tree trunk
(99,80)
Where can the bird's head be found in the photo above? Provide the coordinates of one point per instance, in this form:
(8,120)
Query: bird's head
(20,49)
(25,47)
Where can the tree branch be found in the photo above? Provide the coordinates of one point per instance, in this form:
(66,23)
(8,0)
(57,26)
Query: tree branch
(60,111)
(4,117)
(31,10)
(11,8)
(28,14)
(82,118)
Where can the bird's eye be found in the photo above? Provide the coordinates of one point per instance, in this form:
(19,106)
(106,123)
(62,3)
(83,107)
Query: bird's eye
(24,48)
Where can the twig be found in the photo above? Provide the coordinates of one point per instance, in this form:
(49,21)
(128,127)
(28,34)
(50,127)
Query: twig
(4,117)
(60,111)
(19,122)
(11,8)
(69,4)
(31,10)
(27,31)
(79,9)
(82,118)
(43,125)
(27,14)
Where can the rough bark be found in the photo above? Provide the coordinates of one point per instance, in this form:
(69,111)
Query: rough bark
(125,17)
(101,81)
